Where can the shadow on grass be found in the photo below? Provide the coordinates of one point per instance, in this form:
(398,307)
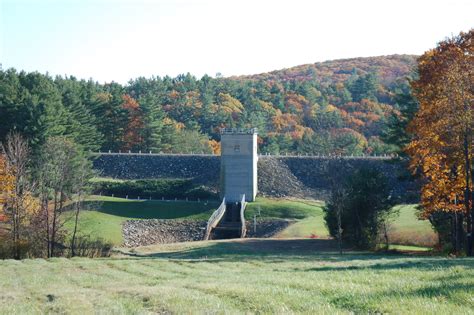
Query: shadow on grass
(276,250)
(449,290)
(248,249)
(251,248)
(454,290)
(145,209)
(457,288)
(420,263)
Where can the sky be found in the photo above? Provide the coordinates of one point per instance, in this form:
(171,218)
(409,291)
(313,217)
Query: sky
(117,40)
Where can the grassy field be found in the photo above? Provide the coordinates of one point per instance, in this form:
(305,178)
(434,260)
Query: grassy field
(252,276)
(309,216)
(107,214)
(283,208)
(313,227)
(407,229)
(105,222)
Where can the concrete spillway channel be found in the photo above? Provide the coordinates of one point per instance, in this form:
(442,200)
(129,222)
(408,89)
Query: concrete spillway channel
(228,221)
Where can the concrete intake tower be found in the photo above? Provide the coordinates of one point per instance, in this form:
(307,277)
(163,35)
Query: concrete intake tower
(238,183)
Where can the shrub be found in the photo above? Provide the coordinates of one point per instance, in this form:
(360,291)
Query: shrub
(154,188)
(7,250)
(85,247)
(363,202)
(450,231)
(92,248)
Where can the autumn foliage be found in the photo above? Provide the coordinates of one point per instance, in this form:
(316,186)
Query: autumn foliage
(216,147)
(6,186)
(305,109)
(442,150)
(132,135)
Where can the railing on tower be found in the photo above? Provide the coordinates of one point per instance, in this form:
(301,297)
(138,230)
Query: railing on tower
(246,131)
(242,217)
(215,219)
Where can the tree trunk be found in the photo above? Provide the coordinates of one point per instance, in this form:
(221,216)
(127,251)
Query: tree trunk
(385,234)
(339,227)
(73,240)
(16,225)
(470,244)
(468,196)
(53,228)
(457,235)
(46,222)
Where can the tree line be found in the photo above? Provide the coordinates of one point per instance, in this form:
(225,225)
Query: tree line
(327,108)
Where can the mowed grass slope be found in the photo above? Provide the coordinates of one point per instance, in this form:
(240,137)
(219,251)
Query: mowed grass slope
(309,215)
(109,213)
(283,208)
(154,209)
(106,215)
(252,276)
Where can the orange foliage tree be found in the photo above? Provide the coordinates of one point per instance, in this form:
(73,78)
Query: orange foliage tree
(18,205)
(442,150)
(7,186)
(132,136)
(215,146)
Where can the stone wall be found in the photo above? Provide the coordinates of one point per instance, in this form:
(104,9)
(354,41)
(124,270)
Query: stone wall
(203,169)
(313,176)
(278,176)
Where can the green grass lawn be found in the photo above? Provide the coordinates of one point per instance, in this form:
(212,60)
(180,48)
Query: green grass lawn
(253,276)
(309,227)
(408,248)
(282,208)
(408,229)
(98,225)
(145,209)
(309,216)
(106,221)
(107,214)
(106,179)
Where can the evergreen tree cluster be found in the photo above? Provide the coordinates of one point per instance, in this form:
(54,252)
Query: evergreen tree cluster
(359,207)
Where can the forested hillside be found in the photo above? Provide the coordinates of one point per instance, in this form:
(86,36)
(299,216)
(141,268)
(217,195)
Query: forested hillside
(338,107)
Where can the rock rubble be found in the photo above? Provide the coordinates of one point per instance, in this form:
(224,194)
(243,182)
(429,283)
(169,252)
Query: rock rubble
(157,231)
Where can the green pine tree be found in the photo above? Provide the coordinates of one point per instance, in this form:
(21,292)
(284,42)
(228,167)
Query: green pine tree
(82,125)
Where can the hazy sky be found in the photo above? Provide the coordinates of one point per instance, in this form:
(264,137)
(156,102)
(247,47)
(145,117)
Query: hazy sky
(118,39)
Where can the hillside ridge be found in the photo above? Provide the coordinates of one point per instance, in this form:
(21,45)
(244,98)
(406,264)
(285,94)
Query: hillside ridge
(409,58)
(338,107)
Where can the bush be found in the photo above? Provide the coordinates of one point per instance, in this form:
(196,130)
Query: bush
(154,188)
(85,247)
(449,227)
(92,248)
(363,202)
(7,250)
